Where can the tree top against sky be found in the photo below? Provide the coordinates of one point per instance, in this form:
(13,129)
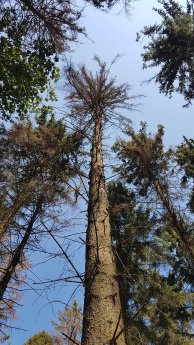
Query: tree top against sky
(89,93)
(170,47)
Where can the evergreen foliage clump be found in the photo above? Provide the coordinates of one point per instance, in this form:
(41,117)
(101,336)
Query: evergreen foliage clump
(153,238)
(171,48)
(41,338)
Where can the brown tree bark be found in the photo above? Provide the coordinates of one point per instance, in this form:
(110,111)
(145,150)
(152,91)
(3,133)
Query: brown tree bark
(103,320)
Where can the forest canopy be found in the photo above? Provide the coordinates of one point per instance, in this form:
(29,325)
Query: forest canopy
(64,192)
(170,47)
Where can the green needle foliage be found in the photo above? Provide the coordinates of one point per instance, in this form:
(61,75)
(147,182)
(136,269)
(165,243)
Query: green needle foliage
(153,172)
(154,260)
(185,157)
(171,48)
(156,305)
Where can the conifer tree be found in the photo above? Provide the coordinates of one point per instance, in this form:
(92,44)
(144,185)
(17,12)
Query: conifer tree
(146,165)
(171,48)
(152,230)
(35,162)
(156,306)
(36,165)
(94,101)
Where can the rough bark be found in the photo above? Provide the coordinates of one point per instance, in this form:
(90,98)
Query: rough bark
(103,320)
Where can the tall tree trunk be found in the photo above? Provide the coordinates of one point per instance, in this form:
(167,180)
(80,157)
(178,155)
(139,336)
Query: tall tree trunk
(10,269)
(103,321)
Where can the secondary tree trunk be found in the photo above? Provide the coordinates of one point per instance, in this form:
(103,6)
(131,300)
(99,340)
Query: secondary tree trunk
(186,239)
(103,321)
(7,216)
(10,269)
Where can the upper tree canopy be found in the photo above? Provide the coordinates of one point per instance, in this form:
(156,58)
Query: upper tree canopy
(89,94)
(109,3)
(146,165)
(32,35)
(54,21)
(152,229)
(171,48)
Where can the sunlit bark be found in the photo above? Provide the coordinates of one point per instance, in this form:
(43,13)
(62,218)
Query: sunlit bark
(102,310)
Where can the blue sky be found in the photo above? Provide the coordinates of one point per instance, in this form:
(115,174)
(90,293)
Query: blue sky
(109,34)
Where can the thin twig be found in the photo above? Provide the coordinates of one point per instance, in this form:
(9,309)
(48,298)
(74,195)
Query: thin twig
(65,254)
(69,338)
(127,324)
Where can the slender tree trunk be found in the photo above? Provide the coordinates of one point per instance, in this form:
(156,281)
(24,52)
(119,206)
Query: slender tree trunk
(10,269)
(103,319)
(7,217)
(178,222)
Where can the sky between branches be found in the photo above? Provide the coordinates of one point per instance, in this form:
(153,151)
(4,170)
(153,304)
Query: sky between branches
(110,34)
